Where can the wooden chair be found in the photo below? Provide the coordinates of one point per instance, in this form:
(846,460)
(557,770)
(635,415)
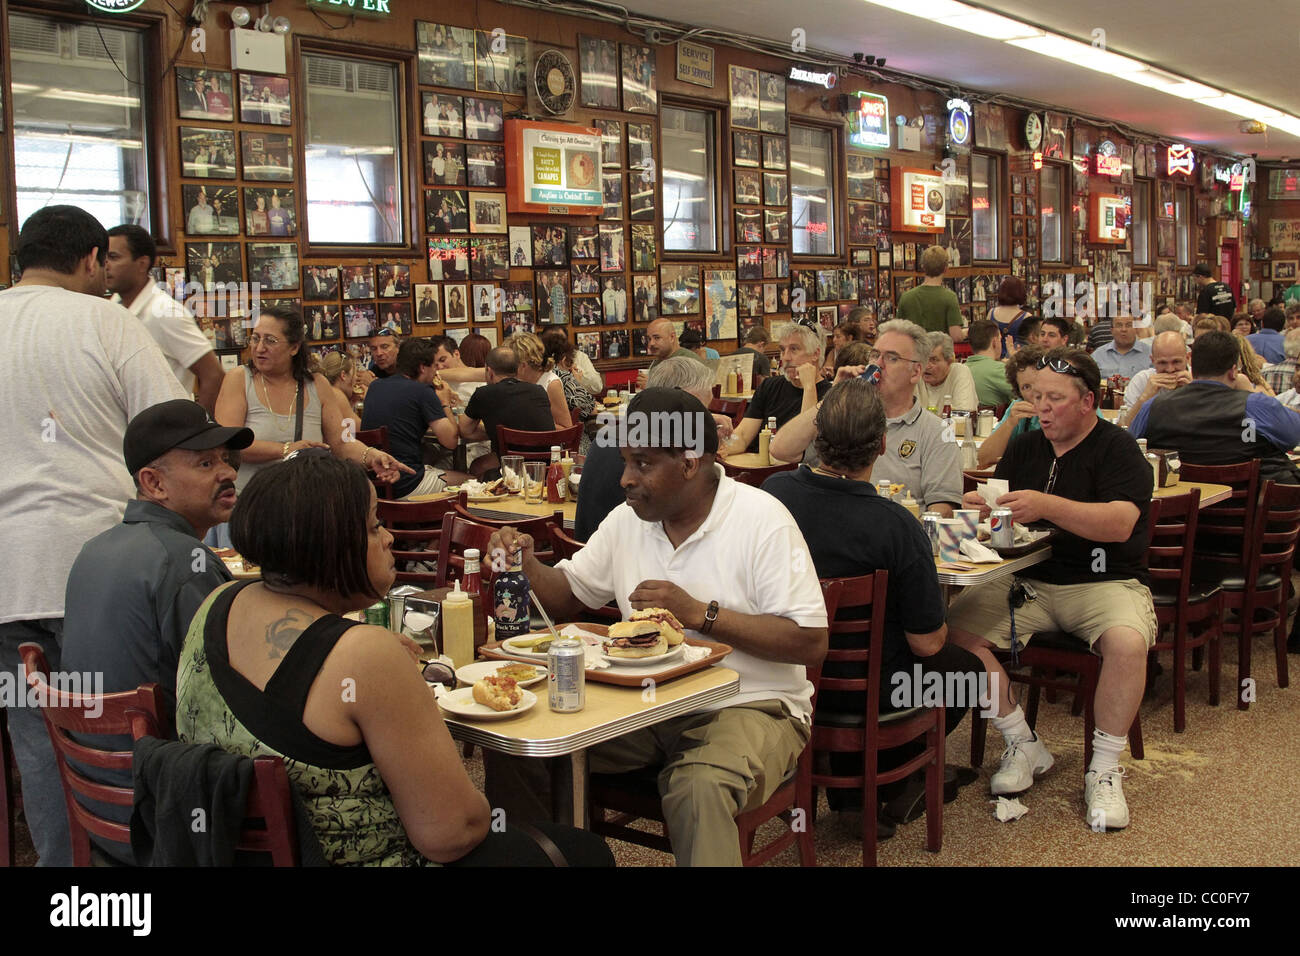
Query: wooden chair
(459,533)
(1259,594)
(539,528)
(734,408)
(1178,604)
(755,476)
(858,641)
(8,796)
(374,437)
(413,524)
(1223,530)
(536,446)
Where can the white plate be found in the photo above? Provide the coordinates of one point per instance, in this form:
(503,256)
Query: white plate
(480,669)
(645,661)
(508,646)
(462,704)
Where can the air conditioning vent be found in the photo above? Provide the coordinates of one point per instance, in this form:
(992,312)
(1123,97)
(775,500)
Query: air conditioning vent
(327,74)
(90,46)
(33,36)
(376,79)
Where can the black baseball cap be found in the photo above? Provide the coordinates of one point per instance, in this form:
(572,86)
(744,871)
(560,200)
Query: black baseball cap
(178,423)
(1202,270)
(690,426)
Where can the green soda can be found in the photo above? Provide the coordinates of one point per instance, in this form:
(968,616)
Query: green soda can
(377,614)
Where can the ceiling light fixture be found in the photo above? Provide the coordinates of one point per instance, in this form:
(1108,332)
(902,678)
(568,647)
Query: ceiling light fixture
(240,16)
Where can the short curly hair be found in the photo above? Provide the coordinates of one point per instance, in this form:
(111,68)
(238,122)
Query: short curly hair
(1024,358)
(850,424)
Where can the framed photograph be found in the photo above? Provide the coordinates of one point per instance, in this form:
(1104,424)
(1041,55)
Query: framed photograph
(612,257)
(210,210)
(611,143)
(444,162)
(769,298)
(428,303)
(268,157)
(549,245)
(644,250)
(586,311)
(359,320)
(863,257)
(586,278)
(748,187)
(448,259)
(1165,239)
(487,212)
(775,154)
(1017,205)
(642,196)
(489,259)
(456,298)
(205,94)
(589,344)
(274,265)
(640,146)
(1284,270)
(446,55)
(446,211)
(598,61)
(614,343)
(324,322)
(611,185)
(749,262)
(358,282)
(613,299)
(208,153)
(484,120)
(776,189)
(521,247)
(719,304)
(513,323)
(270,211)
(485,302)
(645,298)
(827,316)
(393,281)
(486,164)
(776,225)
(743,94)
(394,316)
(498,69)
(640,92)
(680,289)
(584,242)
(320,282)
(265,99)
(1165,207)
(744,149)
(640,342)
(771,100)
(749,299)
(442,114)
(552,297)
(749,225)
(518,296)
(213,263)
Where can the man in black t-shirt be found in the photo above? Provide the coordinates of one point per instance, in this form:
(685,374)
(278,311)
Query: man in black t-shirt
(406,405)
(870,534)
(1215,297)
(780,396)
(504,400)
(1089,480)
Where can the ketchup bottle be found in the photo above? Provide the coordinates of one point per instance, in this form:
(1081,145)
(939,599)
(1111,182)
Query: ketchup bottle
(556,492)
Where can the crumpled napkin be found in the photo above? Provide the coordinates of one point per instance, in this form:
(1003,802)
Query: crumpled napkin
(592,646)
(974,551)
(993,489)
(1007,811)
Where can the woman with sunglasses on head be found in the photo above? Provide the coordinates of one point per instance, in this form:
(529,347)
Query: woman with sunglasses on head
(262,664)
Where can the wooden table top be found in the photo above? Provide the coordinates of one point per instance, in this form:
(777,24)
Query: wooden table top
(512,506)
(610,712)
(751,459)
(736,396)
(1210,493)
(983,573)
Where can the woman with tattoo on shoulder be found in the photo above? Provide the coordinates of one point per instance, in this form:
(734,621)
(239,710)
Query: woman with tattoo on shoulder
(271,666)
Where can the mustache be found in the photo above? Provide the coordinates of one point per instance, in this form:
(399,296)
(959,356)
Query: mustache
(225,486)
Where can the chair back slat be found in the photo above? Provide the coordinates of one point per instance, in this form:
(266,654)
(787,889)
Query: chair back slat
(374,437)
(857,633)
(755,476)
(536,446)
(416,527)
(1227,525)
(458,533)
(1278,525)
(563,543)
(1172,524)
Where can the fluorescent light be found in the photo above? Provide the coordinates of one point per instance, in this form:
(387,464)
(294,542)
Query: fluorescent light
(991,25)
(1079,54)
(926,9)
(1240,106)
(1290,124)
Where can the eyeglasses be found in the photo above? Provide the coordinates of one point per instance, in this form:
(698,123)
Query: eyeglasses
(890,358)
(1059,365)
(257,339)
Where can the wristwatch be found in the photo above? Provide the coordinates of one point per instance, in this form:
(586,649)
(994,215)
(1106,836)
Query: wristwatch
(710,617)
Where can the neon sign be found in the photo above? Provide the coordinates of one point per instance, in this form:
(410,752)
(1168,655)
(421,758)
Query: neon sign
(1180,160)
(959,121)
(807,76)
(115,6)
(1108,161)
(870,122)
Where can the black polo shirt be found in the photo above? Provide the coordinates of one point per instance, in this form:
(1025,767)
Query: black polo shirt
(1106,466)
(777,398)
(512,403)
(867,534)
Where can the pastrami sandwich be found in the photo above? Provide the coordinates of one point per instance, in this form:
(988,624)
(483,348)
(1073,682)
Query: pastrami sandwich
(635,639)
(669,626)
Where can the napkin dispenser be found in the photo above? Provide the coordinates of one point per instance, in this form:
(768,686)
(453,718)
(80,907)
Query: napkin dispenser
(1170,464)
(430,602)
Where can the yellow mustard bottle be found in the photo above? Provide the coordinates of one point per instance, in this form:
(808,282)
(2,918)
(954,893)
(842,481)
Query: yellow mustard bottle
(458,627)
(765,442)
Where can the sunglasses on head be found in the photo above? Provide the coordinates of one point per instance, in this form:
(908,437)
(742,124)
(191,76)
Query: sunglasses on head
(385,332)
(1059,365)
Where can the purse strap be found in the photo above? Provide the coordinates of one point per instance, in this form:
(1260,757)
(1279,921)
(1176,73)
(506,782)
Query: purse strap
(299,400)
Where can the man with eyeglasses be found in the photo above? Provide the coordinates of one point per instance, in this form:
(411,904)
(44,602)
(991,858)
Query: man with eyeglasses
(1088,480)
(383,353)
(783,396)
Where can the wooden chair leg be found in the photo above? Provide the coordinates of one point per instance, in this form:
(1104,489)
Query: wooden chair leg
(1214,641)
(1031,710)
(870,806)
(1089,723)
(1180,678)
(1198,657)
(1243,664)
(979,729)
(1279,648)
(934,786)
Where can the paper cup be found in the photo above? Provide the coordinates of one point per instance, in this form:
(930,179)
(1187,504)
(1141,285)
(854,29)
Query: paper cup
(971,519)
(951,532)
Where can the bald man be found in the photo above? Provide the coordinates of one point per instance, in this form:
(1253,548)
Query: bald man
(661,339)
(1169,370)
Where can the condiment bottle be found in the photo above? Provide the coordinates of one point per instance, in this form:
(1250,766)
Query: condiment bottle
(510,601)
(947,406)
(740,383)
(911,504)
(473,577)
(556,484)
(732,383)
(458,627)
(1154,461)
(765,442)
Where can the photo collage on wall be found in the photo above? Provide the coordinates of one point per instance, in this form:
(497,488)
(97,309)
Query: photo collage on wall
(870,249)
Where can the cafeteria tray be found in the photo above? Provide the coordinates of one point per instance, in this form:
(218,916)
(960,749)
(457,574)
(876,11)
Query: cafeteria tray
(1041,536)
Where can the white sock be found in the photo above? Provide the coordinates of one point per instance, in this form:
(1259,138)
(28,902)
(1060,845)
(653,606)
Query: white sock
(1105,751)
(1013,726)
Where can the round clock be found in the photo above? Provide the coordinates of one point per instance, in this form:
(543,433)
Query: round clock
(1033,131)
(553,81)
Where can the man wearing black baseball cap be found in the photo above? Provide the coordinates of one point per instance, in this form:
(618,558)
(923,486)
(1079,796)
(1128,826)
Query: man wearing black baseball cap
(1215,297)
(134,589)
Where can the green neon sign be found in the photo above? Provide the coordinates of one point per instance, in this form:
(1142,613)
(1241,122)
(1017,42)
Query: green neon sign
(114,6)
(361,8)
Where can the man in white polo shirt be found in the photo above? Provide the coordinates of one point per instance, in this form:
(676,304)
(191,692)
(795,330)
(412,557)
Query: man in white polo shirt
(730,563)
(131,254)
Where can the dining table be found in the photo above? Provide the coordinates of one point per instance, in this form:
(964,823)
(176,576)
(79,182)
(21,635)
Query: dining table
(611,711)
(511,506)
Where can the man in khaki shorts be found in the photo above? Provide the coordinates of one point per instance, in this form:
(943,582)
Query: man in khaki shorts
(1088,479)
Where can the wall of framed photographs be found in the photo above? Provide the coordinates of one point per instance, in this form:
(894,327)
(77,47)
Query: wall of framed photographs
(233,145)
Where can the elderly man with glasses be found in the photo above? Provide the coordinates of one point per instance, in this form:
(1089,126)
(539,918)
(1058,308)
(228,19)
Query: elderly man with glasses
(1087,479)
(943,375)
(917,453)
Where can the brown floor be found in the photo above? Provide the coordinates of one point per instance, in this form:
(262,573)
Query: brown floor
(1220,794)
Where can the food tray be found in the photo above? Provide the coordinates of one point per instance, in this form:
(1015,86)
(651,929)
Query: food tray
(1041,536)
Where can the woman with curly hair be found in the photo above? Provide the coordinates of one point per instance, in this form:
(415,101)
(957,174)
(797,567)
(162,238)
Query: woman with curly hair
(1251,366)
(535,368)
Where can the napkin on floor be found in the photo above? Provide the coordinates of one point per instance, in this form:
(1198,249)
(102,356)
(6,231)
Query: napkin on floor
(974,551)
(993,489)
(1007,811)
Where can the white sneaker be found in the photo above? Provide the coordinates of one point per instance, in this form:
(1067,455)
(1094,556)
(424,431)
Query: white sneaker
(1022,762)
(1103,794)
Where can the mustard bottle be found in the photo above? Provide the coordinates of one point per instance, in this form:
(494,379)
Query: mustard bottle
(765,442)
(458,627)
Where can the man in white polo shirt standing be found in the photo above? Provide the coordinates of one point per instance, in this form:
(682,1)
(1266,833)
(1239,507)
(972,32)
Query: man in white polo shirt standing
(730,563)
(131,254)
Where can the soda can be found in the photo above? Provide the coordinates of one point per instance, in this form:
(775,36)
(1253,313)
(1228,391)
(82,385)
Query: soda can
(931,522)
(871,374)
(567,681)
(377,614)
(1001,528)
